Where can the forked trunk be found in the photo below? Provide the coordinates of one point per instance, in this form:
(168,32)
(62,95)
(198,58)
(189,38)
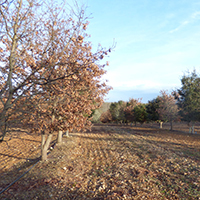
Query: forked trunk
(59,138)
(45,145)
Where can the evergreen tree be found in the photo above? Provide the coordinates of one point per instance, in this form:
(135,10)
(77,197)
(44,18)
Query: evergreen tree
(151,109)
(188,97)
(117,111)
(140,113)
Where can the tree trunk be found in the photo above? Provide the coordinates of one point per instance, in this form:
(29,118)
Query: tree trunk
(192,128)
(171,124)
(66,134)
(45,145)
(59,138)
(4,130)
(160,124)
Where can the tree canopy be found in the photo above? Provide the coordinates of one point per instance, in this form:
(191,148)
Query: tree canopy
(50,77)
(152,107)
(188,97)
(168,108)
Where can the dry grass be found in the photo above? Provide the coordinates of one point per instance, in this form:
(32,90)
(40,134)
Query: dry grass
(113,162)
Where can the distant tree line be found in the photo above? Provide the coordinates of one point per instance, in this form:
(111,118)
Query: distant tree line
(181,104)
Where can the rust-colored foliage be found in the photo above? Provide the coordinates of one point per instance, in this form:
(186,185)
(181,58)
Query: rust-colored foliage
(50,77)
(168,109)
(106,117)
(129,109)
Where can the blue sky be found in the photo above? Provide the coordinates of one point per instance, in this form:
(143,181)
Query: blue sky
(157,41)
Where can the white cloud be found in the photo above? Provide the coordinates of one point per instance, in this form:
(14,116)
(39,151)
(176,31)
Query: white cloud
(143,76)
(180,26)
(140,84)
(162,70)
(195,15)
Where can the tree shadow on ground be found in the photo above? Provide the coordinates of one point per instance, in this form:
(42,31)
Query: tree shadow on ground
(37,185)
(18,157)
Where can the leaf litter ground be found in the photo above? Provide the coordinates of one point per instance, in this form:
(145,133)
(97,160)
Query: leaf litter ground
(110,162)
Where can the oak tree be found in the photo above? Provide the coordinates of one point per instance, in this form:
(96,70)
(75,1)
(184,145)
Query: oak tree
(50,77)
(168,108)
(106,117)
(129,109)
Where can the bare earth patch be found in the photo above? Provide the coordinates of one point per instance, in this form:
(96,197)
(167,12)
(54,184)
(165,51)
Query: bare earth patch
(110,162)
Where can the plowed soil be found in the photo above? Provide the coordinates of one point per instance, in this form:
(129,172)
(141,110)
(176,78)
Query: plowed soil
(109,162)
